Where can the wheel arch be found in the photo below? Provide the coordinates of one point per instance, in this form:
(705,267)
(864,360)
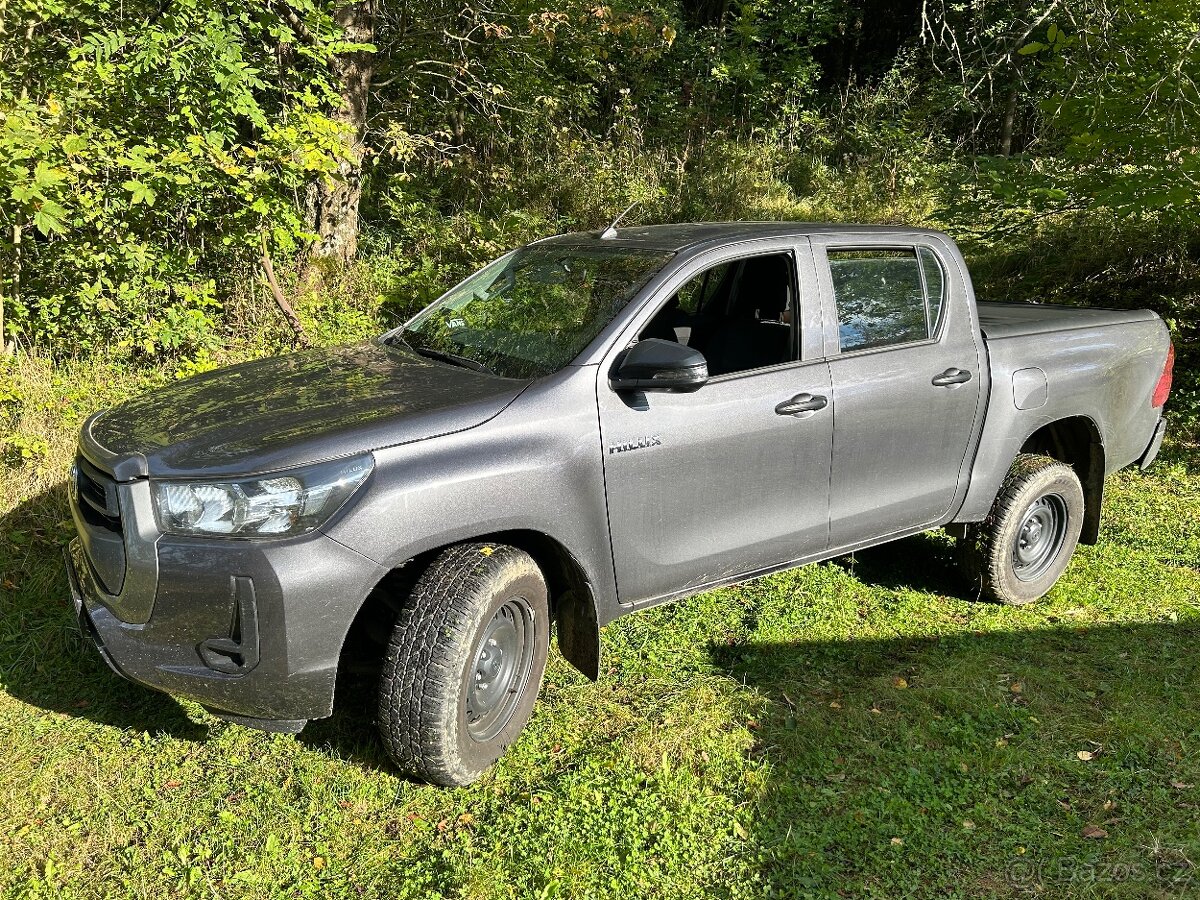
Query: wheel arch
(572,599)
(1078,442)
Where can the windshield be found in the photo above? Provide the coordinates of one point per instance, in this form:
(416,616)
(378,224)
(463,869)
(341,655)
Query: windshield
(533,311)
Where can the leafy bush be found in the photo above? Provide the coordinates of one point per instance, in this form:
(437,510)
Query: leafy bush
(146,148)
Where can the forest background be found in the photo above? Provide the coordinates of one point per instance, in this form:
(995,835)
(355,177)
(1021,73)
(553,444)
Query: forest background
(154,153)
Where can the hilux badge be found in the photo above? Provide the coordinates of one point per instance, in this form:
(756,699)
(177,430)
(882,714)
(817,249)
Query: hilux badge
(640,444)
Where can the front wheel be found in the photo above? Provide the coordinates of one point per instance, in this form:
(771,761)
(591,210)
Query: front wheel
(1019,551)
(464,664)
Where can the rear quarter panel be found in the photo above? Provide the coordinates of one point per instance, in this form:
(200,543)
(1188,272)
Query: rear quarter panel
(1105,373)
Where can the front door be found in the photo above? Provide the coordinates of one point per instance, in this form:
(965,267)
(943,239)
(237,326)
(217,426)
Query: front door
(733,478)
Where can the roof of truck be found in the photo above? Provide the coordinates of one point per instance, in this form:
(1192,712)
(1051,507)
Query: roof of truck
(693,235)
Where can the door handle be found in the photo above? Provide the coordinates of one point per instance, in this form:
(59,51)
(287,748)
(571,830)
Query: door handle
(802,405)
(951,377)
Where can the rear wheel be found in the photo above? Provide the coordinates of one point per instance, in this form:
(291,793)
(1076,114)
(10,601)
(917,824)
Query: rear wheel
(464,664)
(1017,554)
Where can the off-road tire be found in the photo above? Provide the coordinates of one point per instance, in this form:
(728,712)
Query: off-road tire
(989,554)
(431,662)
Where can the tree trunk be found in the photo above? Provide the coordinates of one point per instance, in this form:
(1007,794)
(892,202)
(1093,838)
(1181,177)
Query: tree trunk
(1010,118)
(334,202)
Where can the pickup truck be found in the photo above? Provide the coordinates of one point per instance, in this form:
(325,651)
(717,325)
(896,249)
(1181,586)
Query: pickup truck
(592,424)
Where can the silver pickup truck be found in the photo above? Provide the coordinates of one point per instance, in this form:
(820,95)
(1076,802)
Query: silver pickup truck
(591,425)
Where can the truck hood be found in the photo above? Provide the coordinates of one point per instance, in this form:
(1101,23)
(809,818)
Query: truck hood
(273,414)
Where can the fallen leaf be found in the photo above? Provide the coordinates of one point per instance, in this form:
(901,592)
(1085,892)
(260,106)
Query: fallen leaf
(896,842)
(969,825)
(875,710)
(172,784)
(1181,786)
(1093,832)
(1086,755)
(740,830)
(9,584)
(466,819)
(835,705)
(835,776)
(899,683)
(318,862)
(1016,687)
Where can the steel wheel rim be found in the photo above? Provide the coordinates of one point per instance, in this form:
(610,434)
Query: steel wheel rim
(1040,537)
(500,672)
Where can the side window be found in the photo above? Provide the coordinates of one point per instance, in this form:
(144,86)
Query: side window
(935,286)
(880,297)
(738,314)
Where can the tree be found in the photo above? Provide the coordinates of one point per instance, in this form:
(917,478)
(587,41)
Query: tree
(334,201)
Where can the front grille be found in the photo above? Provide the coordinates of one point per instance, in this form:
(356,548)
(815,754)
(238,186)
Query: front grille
(97,495)
(100,530)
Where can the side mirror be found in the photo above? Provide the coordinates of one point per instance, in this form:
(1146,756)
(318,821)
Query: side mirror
(657,365)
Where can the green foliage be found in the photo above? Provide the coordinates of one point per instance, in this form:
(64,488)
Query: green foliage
(146,148)
(1128,106)
(24,449)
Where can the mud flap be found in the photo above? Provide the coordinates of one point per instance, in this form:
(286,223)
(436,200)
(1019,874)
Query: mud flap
(579,633)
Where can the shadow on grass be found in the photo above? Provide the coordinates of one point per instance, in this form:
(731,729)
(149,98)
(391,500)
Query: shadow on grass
(923,562)
(44,661)
(952,766)
(350,733)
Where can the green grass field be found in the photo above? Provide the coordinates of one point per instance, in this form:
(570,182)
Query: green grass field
(853,729)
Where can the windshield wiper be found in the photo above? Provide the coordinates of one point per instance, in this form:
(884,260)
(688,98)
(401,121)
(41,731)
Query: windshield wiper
(454,359)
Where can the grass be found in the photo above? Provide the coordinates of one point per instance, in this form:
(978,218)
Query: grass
(853,729)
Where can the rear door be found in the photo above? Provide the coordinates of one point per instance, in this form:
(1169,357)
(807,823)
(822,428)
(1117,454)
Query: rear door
(905,363)
(730,479)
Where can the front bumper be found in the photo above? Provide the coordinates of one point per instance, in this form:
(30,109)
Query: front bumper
(251,630)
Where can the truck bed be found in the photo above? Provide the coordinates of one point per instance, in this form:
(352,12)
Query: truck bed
(1004,320)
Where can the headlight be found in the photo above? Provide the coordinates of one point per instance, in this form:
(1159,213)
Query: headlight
(279,505)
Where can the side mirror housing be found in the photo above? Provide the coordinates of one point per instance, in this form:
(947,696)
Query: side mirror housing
(657,365)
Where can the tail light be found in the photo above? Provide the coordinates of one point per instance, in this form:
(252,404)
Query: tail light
(1162,390)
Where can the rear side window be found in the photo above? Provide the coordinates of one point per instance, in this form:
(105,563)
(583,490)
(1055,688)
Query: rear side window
(935,286)
(882,297)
